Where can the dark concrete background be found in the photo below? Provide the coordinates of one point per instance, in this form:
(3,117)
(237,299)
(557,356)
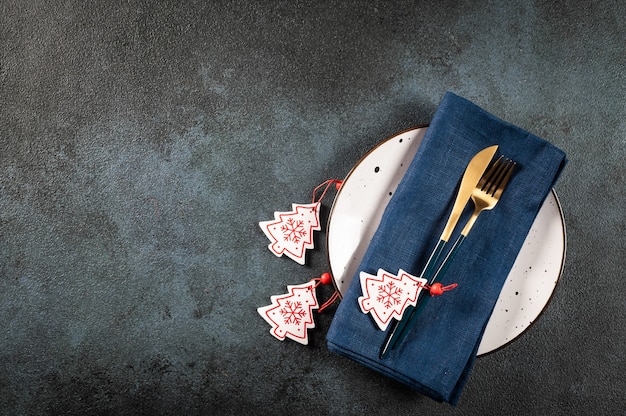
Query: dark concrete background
(142,141)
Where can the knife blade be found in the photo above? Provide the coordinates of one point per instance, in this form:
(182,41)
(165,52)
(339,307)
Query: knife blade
(473,172)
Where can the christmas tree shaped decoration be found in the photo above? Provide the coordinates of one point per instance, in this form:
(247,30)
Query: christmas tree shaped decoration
(386,296)
(291,233)
(291,314)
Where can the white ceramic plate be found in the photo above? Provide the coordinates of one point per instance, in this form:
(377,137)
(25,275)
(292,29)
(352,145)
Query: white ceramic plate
(360,203)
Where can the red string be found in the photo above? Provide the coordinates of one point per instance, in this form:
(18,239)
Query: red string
(326,185)
(325,279)
(437,289)
(329,302)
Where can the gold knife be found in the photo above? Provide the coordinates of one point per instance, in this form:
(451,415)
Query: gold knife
(473,172)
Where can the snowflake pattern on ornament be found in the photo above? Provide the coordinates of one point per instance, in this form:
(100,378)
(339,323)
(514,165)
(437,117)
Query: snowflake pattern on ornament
(389,294)
(293,230)
(291,233)
(386,296)
(291,314)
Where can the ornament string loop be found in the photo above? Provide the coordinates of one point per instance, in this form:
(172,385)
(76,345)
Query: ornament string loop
(325,185)
(437,289)
(329,302)
(326,279)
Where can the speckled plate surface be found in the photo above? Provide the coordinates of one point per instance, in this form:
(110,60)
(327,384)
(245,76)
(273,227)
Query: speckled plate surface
(360,203)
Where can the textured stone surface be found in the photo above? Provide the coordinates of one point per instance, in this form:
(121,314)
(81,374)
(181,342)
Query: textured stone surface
(141,142)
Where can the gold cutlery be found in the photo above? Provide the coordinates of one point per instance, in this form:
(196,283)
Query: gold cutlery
(485,195)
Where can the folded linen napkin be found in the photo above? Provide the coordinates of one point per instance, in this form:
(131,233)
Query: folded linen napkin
(438,353)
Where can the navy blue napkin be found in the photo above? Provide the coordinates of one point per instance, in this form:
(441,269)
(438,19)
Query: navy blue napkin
(438,353)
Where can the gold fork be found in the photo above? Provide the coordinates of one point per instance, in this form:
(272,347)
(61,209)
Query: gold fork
(485,196)
(489,190)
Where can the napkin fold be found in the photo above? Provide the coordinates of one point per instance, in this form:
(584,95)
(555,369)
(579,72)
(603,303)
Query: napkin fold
(438,353)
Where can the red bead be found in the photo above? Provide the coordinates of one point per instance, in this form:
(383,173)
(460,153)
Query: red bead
(338,185)
(436,289)
(326,278)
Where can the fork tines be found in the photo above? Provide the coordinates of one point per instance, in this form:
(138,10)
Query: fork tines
(497,176)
